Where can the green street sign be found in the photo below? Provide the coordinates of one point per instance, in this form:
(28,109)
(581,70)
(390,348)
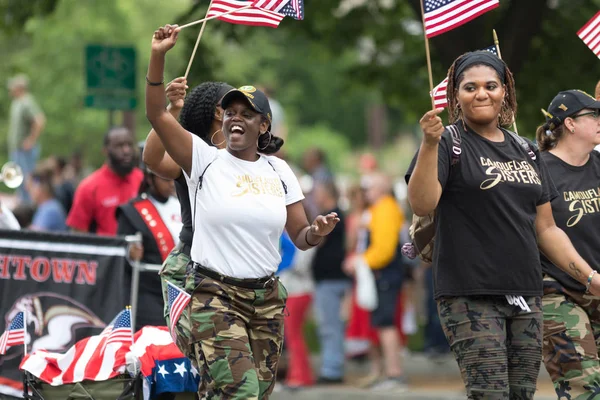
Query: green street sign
(110,77)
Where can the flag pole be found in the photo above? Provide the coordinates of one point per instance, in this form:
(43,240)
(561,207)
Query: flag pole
(497,44)
(187,71)
(428,57)
(25,332)
(215,16)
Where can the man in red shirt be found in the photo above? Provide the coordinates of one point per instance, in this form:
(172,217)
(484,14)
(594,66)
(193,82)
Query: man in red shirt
(116,182)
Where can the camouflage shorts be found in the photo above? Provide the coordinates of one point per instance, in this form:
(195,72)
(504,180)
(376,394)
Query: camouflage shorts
(237,337)
(174,270)
(498,346)
(571,341)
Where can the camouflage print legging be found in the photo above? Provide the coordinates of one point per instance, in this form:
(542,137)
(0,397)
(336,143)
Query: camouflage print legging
(572,341)
(498,346)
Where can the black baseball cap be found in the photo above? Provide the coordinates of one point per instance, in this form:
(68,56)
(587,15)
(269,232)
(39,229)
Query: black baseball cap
(567,103)
(256,98)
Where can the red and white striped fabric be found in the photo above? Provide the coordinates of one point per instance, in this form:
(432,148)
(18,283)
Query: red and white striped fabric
(439,94)
(590,34)
(84,361)
(250,16)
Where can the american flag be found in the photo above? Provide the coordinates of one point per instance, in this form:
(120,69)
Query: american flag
(119,330)
(590,34)
(88,359)
(15,334)
(250,16)
(289,8)
(444,15)
(178,301)
(439,92)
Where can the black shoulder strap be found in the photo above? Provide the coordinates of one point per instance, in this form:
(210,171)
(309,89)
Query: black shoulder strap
(456,139)
(198,187)
(525,145)
(282,182)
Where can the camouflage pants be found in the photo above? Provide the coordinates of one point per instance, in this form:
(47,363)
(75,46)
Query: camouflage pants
(174,270)
(237,337)
(571,341)
(498,346)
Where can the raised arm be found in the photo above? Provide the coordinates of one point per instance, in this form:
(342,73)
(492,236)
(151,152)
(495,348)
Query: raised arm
(304,235)
(556,245)
(154,154)
(424,188)
(176,140)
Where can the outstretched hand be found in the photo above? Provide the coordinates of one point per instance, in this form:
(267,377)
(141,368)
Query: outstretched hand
(176,92)
(324,224)
(165,38)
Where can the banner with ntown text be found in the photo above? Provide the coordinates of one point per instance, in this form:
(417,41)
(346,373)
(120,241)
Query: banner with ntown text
(69,285)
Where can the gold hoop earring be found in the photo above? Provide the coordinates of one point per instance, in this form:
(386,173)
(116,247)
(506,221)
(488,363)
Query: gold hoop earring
(267,145)
(213,136)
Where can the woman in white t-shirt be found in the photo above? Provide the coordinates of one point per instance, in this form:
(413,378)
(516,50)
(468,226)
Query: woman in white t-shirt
(244,200)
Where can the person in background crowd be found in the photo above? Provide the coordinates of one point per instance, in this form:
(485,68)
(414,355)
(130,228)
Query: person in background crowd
(156,214)
(300,287)
(26,124)
(493,216)
(49,215)
(24,214)
(7,218)
(361,337)
(64,189)
(314,163)
(116,182)
(571,313)
(331,287)
(379,248)
(244,199)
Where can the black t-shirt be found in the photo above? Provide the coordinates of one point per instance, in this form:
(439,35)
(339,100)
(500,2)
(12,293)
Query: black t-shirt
(576,210)
(485,233)
(329,257)
(187,232)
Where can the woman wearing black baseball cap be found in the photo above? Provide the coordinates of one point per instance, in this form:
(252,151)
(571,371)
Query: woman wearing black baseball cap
(571,313)
(242,199)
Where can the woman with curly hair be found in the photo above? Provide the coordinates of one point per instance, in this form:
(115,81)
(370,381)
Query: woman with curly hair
(201,114)
(242,198)
(491,192)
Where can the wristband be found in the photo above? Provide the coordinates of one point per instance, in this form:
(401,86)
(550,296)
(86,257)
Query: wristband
(309,243)
(589,281)
(154,83)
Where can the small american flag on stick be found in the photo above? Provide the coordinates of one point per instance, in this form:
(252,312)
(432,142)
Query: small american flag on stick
(243,13)
(444,15)
(178,301)
(590,34)
(15,334)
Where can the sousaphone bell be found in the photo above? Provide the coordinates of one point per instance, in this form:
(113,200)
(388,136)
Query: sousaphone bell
(12,175)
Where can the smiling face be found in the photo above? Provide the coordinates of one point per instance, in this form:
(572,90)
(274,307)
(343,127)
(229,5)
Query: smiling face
(242,126)
(480,95)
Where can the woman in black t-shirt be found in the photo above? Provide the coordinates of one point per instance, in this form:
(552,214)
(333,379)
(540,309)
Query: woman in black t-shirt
(492,201)
(571,314)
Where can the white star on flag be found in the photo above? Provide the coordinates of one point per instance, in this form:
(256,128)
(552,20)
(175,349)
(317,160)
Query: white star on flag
(180,369)
(162,370)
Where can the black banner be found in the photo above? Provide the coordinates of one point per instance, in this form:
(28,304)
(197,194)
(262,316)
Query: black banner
(70,285)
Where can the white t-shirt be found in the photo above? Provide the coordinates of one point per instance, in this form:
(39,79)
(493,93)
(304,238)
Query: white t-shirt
(240,212)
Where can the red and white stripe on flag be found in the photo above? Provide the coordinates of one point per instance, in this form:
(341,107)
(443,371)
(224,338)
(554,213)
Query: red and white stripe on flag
(444,15)
(11,338)
(439,94)
(590,34)
(251,16)
(88,359)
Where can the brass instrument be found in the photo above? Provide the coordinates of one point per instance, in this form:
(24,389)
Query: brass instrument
(12,175)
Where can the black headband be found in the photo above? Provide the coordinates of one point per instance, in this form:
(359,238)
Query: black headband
(480,57)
